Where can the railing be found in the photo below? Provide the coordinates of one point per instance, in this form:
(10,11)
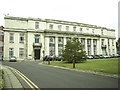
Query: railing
(37,44)
(103,46)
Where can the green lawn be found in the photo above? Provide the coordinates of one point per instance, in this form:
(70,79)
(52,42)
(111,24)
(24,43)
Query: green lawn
(99,65)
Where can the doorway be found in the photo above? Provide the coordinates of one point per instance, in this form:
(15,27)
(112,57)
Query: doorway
(37,53)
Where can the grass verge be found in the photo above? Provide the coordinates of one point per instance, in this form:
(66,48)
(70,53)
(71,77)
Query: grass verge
(109,65)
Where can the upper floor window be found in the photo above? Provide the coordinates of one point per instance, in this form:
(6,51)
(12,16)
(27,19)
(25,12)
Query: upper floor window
(11,38)
(50,26)
(88,42)
(21,37)
(81,29)
(36,25)
(101,32)
(11,52)
(60,40)
(108,41)
(51,39)
(74,28)
(87,28)
(93,30)
(94,42)
(102,43)
(59,27)
(113,42)
(37,38)
(67,28)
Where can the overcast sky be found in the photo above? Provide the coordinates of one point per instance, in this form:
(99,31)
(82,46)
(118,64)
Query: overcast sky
(96,12)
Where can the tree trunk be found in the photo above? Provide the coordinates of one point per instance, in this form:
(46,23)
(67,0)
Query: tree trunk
(74,63)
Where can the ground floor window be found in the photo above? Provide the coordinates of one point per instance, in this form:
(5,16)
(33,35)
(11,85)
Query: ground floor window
(11,52)
(21,52)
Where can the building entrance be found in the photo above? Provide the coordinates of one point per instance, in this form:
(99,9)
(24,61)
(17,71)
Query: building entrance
(37,53)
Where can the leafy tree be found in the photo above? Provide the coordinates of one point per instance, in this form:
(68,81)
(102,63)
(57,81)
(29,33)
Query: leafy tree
(118,46)
(73,51)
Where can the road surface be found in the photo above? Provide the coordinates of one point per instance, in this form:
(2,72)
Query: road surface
(50,77)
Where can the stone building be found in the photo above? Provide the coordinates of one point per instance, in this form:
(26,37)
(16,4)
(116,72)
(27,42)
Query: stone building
(1,42)
(34,38)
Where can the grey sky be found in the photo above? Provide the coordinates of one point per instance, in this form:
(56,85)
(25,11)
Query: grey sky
(97,12)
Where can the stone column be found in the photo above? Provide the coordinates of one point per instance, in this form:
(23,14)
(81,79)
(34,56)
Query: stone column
(64,41)
(92,52)
(46,51)
(99,46)
(56,46)
(86,46)
(43,47)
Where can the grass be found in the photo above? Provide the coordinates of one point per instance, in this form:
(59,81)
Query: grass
(109,65)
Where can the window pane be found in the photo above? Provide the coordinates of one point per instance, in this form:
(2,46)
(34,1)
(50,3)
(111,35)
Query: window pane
(36,25)
(11,38)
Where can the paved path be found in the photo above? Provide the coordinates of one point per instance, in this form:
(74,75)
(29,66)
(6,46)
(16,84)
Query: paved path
(51,77)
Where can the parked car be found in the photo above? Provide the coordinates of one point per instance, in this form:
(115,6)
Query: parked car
(96,56)
(106,56)
(89,57)
(52,58)
(13,59)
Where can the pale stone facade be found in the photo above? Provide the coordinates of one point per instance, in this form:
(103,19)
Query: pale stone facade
(33,38)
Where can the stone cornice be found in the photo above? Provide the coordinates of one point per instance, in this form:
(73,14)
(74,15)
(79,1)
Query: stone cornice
(70,33)
(59,22)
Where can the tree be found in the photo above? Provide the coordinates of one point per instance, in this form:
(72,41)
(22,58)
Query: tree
(73,51)
(118,46)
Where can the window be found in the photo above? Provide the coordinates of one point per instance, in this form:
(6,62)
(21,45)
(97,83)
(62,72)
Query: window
(21,38)
(59,27)
(21,52)
(11,52)
(93,30)
(51,46)
(11,37)
(51,39)
(60,39)
(88,42)
(108,42)
(36,25)
(102,42)
(113,42)
(81,29)
(67,28)
(50,26)
(101,32)
(74,28)
(68,38)
(37,38)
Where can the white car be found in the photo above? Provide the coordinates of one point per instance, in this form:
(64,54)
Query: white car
(13,59)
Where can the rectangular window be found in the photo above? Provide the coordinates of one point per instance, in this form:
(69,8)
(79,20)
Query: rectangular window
(108,42)
(68,38)
(93,30)
(59,27)
(11,52)
(67,28)
(21,52)
(81,29)
(36,25)
(113,42)
(74,28)
(21,37)
(51,46)
(50,26)
(101,32)
(11,38)
(102,43)
(87,28)
(37,38)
